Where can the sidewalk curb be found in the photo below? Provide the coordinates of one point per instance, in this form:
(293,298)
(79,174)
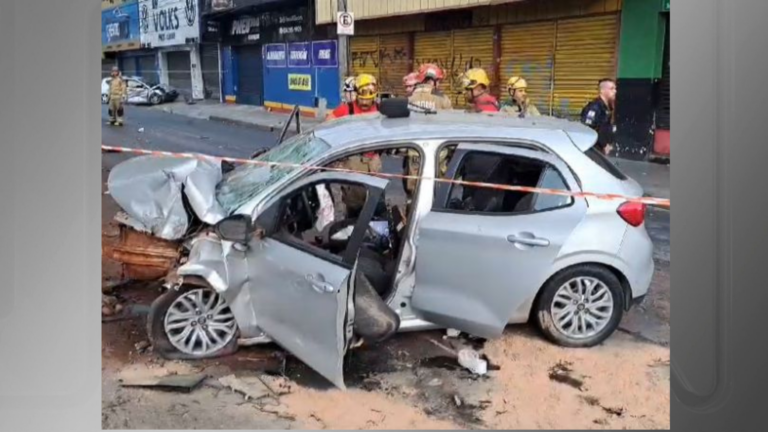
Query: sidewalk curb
(258,126)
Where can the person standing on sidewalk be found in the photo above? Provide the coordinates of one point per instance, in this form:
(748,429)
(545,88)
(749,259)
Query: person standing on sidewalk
(598,115)
(519,104)
(476,86)
(118,93)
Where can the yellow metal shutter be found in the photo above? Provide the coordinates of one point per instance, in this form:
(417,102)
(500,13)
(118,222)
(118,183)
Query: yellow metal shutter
(528,50)
(585,52)
(472,48)
(434,47)
(393,63)
(364,55)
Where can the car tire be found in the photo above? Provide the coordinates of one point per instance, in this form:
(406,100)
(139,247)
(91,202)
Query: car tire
(155,99)
(159,338)
(546,310)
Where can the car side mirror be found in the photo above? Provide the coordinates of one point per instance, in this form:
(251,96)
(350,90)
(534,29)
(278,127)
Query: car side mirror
(238,229)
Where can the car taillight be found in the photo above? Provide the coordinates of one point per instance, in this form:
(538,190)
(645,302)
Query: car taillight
(632,213)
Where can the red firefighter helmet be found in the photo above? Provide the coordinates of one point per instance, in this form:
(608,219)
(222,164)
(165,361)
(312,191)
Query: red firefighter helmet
(430,71)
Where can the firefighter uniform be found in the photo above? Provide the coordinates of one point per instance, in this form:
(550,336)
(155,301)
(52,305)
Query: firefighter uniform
(598,116)
(355,196)
(514,109)
(118,92)
(424,96)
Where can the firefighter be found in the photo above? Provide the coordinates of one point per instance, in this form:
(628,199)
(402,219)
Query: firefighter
(348,93)
(476,87)
(519,104)
(598,115)
(409,82)
(118,94)
(426,94)
(365,99)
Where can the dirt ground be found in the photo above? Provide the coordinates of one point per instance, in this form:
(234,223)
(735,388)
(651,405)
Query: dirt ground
(410,382)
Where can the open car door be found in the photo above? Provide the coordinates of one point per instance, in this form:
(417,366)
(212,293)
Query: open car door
(302,292)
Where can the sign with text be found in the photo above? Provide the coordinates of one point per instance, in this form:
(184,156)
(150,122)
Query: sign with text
(298,54)
(169,22)
(243,29)
(345,23)
(324,53)
(274,55)
(300,82)
(120,27)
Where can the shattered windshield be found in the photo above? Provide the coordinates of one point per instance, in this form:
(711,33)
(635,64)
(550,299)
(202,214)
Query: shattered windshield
(247,181)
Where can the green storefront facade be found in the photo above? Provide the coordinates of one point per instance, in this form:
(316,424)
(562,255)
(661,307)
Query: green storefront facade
(643,102)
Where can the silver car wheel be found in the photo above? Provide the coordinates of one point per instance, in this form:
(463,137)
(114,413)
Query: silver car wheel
(582,307)
(199,323)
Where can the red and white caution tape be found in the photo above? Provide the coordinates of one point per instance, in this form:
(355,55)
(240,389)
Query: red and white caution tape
(610,197)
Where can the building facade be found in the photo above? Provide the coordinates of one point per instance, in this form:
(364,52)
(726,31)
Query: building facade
(273,55)
(562,47)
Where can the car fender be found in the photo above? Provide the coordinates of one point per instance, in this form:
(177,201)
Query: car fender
(224,269)
(522,314)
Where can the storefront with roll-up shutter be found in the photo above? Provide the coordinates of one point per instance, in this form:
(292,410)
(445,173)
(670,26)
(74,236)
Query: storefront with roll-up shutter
(179,72)
(528,50)
(209,59)
(385,57)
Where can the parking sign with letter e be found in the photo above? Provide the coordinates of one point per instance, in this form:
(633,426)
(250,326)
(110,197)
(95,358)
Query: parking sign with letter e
(345,23)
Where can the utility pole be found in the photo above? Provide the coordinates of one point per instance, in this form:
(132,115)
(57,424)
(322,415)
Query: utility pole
(343,46)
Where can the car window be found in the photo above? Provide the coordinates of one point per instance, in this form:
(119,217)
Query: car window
(322,216)
(249,180)
(134,84)
(503,169)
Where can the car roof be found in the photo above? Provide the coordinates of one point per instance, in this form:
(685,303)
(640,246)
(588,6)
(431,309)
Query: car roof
(360,129)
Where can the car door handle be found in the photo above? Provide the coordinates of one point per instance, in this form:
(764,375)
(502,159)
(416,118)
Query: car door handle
(318,283)
(528,240)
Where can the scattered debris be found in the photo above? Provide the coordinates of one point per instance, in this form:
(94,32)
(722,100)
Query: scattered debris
(591,400)
(601,422)
(457,400)
(141,346)
(252,388)
(452,333)
(183,383)
(436,382)
(595,402)
(471,360)
(141,130)
(561,372)
(616,411)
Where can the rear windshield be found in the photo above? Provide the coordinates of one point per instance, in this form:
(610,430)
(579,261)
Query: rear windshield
(599,158)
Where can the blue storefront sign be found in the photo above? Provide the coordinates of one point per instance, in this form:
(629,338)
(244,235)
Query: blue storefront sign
(120,27)
(275,55)
(324,53)
(298,54)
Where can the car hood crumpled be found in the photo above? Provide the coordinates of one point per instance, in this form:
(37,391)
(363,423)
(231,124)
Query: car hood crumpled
(149,189)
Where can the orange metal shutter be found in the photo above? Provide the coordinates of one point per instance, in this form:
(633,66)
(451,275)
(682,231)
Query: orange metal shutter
(585,53)
(364,55)
(393,63)
(528,50)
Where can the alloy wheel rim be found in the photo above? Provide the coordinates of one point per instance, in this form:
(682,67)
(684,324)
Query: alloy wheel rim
(199,322)
(582,307)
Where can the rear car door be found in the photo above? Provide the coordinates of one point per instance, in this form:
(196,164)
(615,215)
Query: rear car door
(483,254)
(301,290)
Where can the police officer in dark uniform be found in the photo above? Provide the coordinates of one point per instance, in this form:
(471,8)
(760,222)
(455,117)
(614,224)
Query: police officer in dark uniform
(598,115)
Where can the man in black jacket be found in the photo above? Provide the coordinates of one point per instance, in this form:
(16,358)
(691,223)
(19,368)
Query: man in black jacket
(598,115)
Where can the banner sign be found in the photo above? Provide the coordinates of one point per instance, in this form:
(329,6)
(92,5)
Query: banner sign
(298,54)
(120,27)
(275,55)
(324,53)
(169,22)
(300,82)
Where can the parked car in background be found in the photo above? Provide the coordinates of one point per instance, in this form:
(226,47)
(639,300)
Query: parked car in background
(141,92)
(318,262)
